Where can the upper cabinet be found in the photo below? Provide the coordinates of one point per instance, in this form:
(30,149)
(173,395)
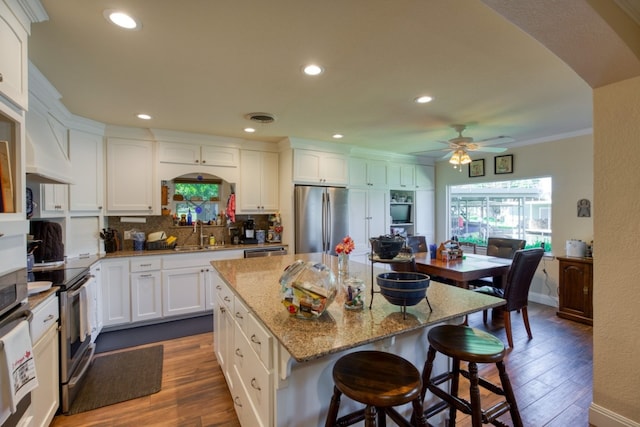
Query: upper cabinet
(194,154)
(13,58)
(132,187)
(86,153)
(258,190)
(367,173)
(401,176)
(318,167)
(425,177)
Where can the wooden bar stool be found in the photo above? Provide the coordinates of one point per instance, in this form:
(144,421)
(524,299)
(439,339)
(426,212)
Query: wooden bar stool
(379,380)
(462,343)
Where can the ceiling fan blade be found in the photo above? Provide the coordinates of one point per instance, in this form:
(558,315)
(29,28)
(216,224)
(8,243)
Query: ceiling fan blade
(502,139)
(447,156)
(491,149)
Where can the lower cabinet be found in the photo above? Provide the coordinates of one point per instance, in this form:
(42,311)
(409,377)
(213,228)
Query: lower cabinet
(183,291)
(116,292)
(575,289)
(45,399)
(244,351)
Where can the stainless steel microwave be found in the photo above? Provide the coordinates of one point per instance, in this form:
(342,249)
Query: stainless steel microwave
(13,289)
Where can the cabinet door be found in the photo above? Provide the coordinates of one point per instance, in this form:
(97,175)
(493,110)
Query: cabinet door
(334,168)
(401,176)
(358,172)
(183,291)
(45,398)
(377,173)
(146,296)
(116,294)
(259,182)
(13,58)
(219,156)
(378,206)
(425,177)
(188,154)
(575,291)
(54,199)
(424,214)
(87,159)
(131,182)
(318,167)
(223,339)
(358,220)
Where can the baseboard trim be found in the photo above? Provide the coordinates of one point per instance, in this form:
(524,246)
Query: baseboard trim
(543,299)
(602,417)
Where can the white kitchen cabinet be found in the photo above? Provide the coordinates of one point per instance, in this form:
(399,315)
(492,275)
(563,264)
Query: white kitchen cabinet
(258,190)
(183,291)
(13,58)
(401,176)
(45,399)
(424,217)
(86,195)
(318,167)
(132,187)
(223,329)
(367,173)
(194,154)
(425,177)
(116,292)
(50,200)
(368,216)
(146,288)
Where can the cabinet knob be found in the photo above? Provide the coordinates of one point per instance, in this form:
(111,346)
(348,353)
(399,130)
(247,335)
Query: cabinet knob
(197,161)
(204,161)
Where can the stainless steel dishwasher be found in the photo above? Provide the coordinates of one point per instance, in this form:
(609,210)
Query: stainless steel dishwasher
(270,251)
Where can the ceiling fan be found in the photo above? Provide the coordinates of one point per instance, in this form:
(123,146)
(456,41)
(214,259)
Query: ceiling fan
(461,145)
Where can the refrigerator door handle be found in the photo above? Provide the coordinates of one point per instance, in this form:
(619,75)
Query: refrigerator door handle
(329,224)
(324,222)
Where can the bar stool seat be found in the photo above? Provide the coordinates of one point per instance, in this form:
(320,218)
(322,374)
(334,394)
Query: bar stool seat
(462,343)
(379,380)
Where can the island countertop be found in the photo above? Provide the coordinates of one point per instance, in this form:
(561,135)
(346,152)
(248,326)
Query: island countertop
(256,282)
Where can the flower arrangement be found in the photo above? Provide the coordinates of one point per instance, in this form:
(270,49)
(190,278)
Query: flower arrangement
(346,246)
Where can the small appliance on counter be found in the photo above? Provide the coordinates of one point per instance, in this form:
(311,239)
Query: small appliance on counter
(576,248)
(248,232)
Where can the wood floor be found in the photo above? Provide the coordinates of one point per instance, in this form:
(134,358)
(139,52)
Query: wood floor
(551,375)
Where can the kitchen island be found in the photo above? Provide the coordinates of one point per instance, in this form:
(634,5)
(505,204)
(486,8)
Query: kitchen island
(278,367)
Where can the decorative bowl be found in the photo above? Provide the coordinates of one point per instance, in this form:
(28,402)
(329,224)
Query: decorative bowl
(403,288)
(386,247)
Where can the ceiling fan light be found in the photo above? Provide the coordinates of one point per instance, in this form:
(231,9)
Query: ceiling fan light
(455,159)
(465,159)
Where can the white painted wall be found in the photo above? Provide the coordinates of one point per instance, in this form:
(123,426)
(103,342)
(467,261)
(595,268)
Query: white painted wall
(569,162)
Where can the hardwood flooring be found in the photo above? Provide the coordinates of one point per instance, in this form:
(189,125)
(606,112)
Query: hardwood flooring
(551,375)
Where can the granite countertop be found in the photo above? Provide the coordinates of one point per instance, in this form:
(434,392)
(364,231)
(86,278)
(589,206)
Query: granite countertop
(256,282)
(214,248)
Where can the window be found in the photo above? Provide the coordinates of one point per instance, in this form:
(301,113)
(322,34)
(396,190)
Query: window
(519,209)
(200,199)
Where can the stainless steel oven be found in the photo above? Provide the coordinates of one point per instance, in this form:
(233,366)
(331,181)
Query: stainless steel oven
(13,310)
(76,349)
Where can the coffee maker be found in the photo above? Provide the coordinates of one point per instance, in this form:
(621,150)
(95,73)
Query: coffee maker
(249,232)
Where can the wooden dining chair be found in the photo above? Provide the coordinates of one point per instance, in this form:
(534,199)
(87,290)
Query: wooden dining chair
(502,248)
(468,247)
(516,290)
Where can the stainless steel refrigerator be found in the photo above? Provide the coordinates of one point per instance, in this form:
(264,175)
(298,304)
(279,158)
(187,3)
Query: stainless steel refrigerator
(321,218)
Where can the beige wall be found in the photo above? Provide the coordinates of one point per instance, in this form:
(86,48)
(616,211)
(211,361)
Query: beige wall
(569,162)
(616,333)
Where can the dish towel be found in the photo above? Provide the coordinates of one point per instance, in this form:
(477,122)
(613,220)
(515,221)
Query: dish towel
(18,368)
(85,321)
(231,207)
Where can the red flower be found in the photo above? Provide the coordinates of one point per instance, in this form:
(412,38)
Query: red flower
(346,246)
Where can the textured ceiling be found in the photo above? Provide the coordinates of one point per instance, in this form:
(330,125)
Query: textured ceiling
(201,66)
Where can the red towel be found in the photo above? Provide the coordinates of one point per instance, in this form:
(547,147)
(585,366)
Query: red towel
(231,207)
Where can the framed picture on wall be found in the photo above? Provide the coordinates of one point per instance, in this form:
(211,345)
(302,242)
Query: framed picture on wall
(503,164)
(476,168)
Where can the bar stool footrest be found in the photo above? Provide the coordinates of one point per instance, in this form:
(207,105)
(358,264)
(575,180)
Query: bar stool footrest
(435,409)
(491,414)
(350,419)
(484,383)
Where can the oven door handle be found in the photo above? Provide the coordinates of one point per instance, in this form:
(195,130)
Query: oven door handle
(27,314)
(74,379)
(72,294)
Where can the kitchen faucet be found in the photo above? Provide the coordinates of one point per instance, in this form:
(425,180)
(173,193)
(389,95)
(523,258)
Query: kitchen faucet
(202,236)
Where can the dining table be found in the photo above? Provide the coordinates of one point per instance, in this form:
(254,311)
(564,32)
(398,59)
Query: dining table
(463,270)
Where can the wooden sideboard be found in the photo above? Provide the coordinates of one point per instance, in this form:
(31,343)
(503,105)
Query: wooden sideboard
(576,289)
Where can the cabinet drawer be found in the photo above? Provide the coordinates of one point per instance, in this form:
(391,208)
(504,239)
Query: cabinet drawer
(260,340)
(45,315)
(240,314)
(253,377)
(225,295)
(145,264)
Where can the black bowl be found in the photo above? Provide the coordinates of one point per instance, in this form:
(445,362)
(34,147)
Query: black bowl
(386,247)
(403,288)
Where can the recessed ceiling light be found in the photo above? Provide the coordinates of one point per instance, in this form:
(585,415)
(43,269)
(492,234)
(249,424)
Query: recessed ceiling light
(338,136)
(122,19)
(143,116)
(423,99)
(312,70)
(249,130)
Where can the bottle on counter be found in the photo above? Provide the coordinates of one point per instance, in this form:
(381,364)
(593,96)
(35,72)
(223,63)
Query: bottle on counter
(189,218)
(212,240)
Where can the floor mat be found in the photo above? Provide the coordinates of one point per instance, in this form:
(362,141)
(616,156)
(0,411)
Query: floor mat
(121,376)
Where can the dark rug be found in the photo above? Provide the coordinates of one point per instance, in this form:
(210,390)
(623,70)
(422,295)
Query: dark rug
(117,377)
